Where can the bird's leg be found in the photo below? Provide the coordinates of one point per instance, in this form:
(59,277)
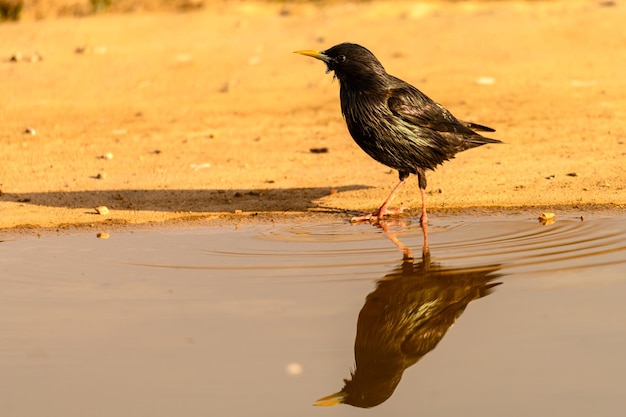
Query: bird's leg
(383,210)
(421,180)
(424,223)
(406,251)
(424,216)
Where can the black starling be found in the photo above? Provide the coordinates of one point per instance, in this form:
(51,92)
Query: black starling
(394,122)
(402,320)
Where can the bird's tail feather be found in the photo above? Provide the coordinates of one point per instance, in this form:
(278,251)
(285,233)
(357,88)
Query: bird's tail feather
(478,140)
(489,140)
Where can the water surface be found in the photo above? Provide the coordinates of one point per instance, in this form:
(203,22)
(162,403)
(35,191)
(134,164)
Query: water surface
(261,320)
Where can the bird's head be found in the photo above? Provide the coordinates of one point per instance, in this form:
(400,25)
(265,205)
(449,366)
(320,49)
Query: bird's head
(331,400)
(354,65)
(366,390)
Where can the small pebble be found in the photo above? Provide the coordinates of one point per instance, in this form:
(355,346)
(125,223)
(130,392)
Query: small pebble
(551,177)
(546,218)
(228,86)
(294,368)
(107,155)
(572,174)
(238,211)
(30,131)
(198,167)
(19,57)
(284,11)
(36,57)
(485,80)
(318,150)
(102,210)
(88,49)
(102,235)
(101,176)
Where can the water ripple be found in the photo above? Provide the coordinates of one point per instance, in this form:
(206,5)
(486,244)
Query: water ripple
(518,244)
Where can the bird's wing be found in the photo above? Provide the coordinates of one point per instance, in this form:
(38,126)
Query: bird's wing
(476,126)
(424,339)
(413,106)
(431,328)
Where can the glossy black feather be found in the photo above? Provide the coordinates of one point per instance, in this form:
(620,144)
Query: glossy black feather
(394,122)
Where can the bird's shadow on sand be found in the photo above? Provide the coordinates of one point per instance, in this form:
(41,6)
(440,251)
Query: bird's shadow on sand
(179,200)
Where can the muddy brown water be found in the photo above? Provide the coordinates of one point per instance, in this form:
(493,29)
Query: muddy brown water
(261,320)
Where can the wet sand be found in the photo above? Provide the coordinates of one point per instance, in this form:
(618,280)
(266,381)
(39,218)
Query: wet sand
(208,115)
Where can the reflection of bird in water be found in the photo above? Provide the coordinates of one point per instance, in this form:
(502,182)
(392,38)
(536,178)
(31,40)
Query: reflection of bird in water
(406,316)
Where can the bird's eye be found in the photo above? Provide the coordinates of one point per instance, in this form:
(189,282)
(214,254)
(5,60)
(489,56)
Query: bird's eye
(340,59)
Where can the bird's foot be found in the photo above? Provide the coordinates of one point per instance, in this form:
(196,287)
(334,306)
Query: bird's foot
(377,216)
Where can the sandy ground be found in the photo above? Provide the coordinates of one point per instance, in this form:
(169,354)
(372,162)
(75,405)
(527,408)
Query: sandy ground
(208,114)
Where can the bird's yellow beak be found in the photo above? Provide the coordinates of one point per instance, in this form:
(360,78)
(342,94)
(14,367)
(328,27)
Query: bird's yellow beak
(313,54)
(333,399)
